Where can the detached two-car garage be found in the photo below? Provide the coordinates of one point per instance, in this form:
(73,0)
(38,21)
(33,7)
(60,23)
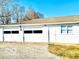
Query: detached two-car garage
(24,33)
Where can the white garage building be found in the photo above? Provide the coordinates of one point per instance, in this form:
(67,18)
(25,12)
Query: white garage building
(54,29)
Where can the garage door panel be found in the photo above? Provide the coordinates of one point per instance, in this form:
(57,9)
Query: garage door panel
(36,34)
(7,37)
(14,35)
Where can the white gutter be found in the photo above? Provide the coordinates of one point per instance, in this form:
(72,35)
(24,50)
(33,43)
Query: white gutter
(41,24)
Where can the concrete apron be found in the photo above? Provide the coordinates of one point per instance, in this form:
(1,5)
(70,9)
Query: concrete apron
(25,51)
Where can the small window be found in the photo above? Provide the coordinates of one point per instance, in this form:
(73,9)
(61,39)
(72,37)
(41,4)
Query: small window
(37,31)
(7,32)
(15,32)
(63,29)
(66,29)
(69,29)
(28,31)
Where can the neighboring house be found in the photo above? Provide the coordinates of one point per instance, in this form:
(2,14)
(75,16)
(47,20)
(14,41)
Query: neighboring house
(54,29)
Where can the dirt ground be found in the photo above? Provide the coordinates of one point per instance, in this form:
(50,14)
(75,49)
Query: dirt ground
(25,51)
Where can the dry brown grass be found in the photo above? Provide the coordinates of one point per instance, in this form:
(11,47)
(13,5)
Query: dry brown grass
(65,51)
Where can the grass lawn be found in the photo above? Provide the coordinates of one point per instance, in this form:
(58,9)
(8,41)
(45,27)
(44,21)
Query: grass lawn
(65,51)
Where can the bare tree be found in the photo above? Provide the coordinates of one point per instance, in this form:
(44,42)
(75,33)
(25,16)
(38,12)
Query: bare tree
(22,13)
(32,14)
(4,11)
(8,10)
(40,15)
(18,12)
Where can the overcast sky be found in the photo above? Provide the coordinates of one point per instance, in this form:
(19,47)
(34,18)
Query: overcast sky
(53,7)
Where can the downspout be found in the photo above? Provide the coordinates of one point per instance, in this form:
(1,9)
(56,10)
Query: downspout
(3,34)
(23,36)
(21,29)
(48,36)
(55,35)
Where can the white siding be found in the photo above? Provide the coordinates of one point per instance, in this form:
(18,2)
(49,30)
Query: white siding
(76,29)
(1,34)
(58,30)
(64,38)
(52,33)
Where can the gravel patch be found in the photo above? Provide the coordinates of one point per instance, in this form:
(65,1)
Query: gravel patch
(25,51)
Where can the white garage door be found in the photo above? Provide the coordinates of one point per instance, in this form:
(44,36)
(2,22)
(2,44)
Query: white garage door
(36,34)
(13,34)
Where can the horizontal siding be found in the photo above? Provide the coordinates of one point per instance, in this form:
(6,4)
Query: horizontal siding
(65,38)
(1,34)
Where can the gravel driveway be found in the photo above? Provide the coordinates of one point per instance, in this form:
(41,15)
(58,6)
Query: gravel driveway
(25,51)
